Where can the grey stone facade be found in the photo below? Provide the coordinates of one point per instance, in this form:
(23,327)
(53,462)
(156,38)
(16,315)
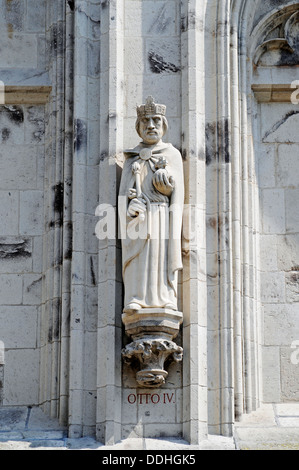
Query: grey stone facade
(73,73)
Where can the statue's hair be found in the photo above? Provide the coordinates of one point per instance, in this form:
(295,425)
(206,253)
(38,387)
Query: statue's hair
(165,125)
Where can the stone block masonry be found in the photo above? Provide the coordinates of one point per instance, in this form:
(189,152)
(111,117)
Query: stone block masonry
(22,212)
(278,178)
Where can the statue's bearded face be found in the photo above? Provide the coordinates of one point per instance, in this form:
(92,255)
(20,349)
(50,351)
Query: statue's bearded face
(151,128)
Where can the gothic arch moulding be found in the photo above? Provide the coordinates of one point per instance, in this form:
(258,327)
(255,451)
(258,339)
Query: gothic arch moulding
(247,33)
(276,38)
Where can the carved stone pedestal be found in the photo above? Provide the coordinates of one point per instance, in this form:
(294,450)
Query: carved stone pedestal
(152,331)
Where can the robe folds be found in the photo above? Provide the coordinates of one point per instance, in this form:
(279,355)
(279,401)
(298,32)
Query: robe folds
(151,243)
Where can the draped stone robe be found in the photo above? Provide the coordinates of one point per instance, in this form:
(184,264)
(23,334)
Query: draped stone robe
(151,247)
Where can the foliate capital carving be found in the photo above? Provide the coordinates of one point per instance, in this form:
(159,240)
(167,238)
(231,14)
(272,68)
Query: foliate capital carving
(151,355)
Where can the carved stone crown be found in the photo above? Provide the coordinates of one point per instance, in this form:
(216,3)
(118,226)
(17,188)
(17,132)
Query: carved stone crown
(150,107)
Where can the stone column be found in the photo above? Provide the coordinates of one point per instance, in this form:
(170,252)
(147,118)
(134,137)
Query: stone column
(194,248)
(110,287)
(56,236)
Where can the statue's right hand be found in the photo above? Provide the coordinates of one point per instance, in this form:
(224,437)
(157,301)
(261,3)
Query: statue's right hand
(137,207)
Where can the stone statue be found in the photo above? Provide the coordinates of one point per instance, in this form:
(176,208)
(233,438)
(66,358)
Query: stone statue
(153,183)
(151,200)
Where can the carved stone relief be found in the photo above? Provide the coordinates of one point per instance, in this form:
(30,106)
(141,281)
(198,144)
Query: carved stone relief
(280,47)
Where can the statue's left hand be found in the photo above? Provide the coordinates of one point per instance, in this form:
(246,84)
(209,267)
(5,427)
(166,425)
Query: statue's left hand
(163,183)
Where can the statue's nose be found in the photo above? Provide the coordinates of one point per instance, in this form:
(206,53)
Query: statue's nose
(151,124)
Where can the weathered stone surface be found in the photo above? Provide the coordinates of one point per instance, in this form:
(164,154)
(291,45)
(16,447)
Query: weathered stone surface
(273,210)
(271,374)
(21,384)
(280,324)
(289,376)
(292,216)
(287,252)
(13,418)
(21,53)
(19,167)
(9,211)
(279,126)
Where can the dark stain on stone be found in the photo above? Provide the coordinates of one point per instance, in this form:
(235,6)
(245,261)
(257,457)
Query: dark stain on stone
(159,65)
(55,329)
(80,135)
(68,254)
(39,125)
(53,38)
(10,30)
(57,262)
(184,24)
(280,123)
(5,134)
(294,278)
(217,142)
(212,222)
(188,22)
(71,4)
(223,140)
(19,249)
(50,334)
(14,114)
(58,198)
(57,39)
(210,134)
(58,205)
(33,284)
(184,154)
(288,56)
(103,156)
(68,182)
(104,3)
(93,277)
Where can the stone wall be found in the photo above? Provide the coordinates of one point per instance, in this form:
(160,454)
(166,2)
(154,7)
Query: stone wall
(22,128)
(278,182)
(22,167)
